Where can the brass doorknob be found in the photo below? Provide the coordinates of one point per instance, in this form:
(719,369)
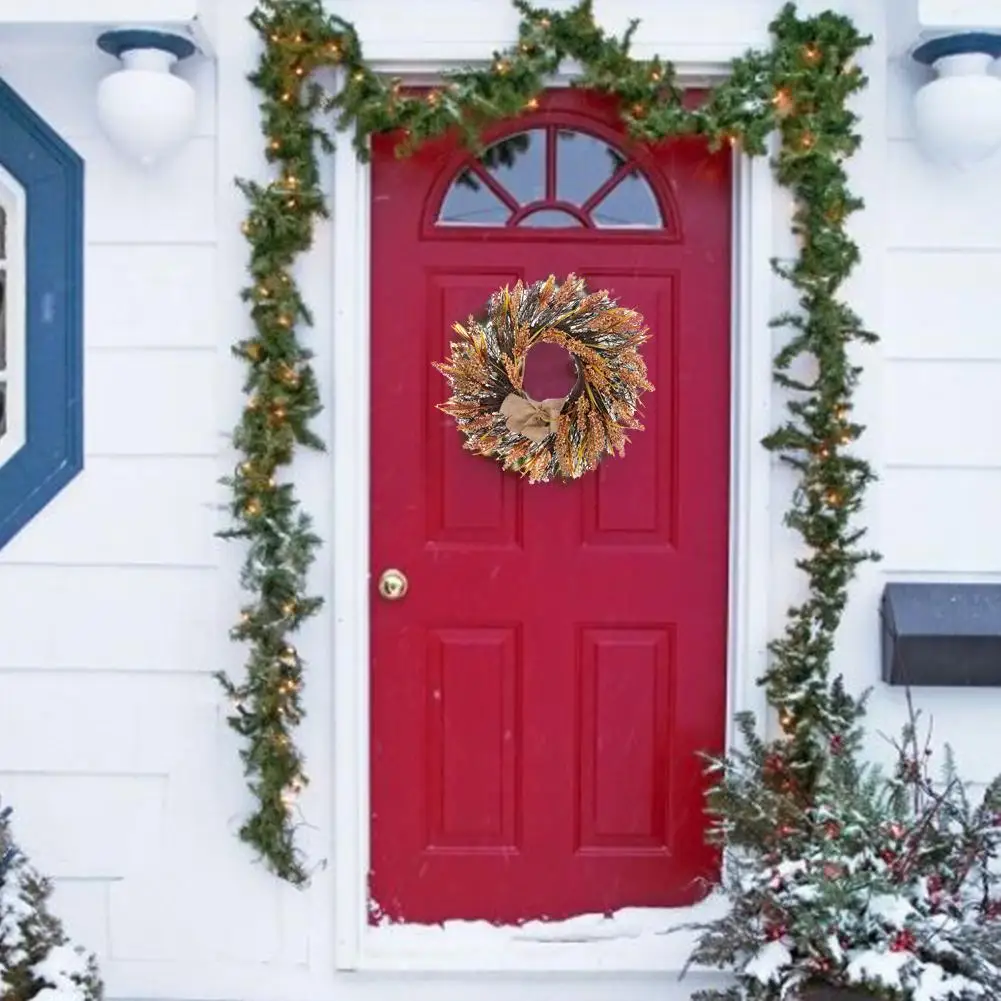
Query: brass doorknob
(393,584)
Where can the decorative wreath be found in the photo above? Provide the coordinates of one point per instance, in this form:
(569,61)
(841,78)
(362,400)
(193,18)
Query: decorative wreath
(557,438)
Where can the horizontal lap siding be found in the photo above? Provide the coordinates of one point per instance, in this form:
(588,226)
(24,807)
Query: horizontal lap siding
(940,400)
(115,600)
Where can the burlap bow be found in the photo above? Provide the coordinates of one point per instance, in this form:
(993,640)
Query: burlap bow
(535,420)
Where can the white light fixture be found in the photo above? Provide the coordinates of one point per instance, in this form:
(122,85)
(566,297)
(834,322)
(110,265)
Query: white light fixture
(145,111)
(958,114)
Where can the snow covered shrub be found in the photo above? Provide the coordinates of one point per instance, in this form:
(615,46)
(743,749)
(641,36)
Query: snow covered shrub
(883,882)
(37,963)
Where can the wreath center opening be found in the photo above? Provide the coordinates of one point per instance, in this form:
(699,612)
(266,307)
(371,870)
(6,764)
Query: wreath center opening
(550,372)
(550,375)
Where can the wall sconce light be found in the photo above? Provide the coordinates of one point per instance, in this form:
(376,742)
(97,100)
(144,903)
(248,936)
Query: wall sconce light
(145,111)
(958,114)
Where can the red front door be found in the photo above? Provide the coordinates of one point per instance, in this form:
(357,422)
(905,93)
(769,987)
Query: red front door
(542,691)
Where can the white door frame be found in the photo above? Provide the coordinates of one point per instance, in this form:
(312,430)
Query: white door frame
(357,945)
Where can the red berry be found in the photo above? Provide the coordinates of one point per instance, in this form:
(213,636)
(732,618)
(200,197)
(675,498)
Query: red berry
(902,942)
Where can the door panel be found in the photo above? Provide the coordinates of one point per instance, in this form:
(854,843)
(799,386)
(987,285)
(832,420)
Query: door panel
(541,693)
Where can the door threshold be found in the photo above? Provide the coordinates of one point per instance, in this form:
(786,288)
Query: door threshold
(630,940)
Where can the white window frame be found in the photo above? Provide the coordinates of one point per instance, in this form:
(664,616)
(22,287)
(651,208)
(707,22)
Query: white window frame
(15,203)
(461,946)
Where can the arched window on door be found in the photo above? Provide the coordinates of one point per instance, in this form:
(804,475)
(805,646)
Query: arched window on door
(552,178)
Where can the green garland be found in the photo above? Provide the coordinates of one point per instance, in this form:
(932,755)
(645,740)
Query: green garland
(800,88)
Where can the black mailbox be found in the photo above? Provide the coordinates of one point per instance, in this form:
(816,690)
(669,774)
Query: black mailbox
(942,634)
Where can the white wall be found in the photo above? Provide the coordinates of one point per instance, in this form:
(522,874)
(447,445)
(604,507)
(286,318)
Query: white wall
(115,601)
(940,405)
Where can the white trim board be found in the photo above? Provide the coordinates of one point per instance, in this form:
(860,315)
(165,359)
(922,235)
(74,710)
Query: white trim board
(477,946)
(70,23)
(97,11)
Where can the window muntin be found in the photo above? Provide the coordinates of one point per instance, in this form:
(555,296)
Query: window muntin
(551,178)
(470,202)
(12,316)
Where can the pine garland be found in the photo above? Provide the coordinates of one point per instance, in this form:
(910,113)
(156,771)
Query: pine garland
(799,88)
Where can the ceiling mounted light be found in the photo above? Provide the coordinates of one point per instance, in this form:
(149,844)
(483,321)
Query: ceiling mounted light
(958,114)
(145,111)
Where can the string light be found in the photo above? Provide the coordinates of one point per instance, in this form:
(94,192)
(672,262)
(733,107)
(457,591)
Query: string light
(783,101)
(291,792)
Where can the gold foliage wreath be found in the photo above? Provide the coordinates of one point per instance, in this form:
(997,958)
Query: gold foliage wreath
(557,438)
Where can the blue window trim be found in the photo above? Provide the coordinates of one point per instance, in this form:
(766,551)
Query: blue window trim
(51,174)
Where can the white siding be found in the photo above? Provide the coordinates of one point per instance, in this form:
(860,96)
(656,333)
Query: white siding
(940,401)
(113,602)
